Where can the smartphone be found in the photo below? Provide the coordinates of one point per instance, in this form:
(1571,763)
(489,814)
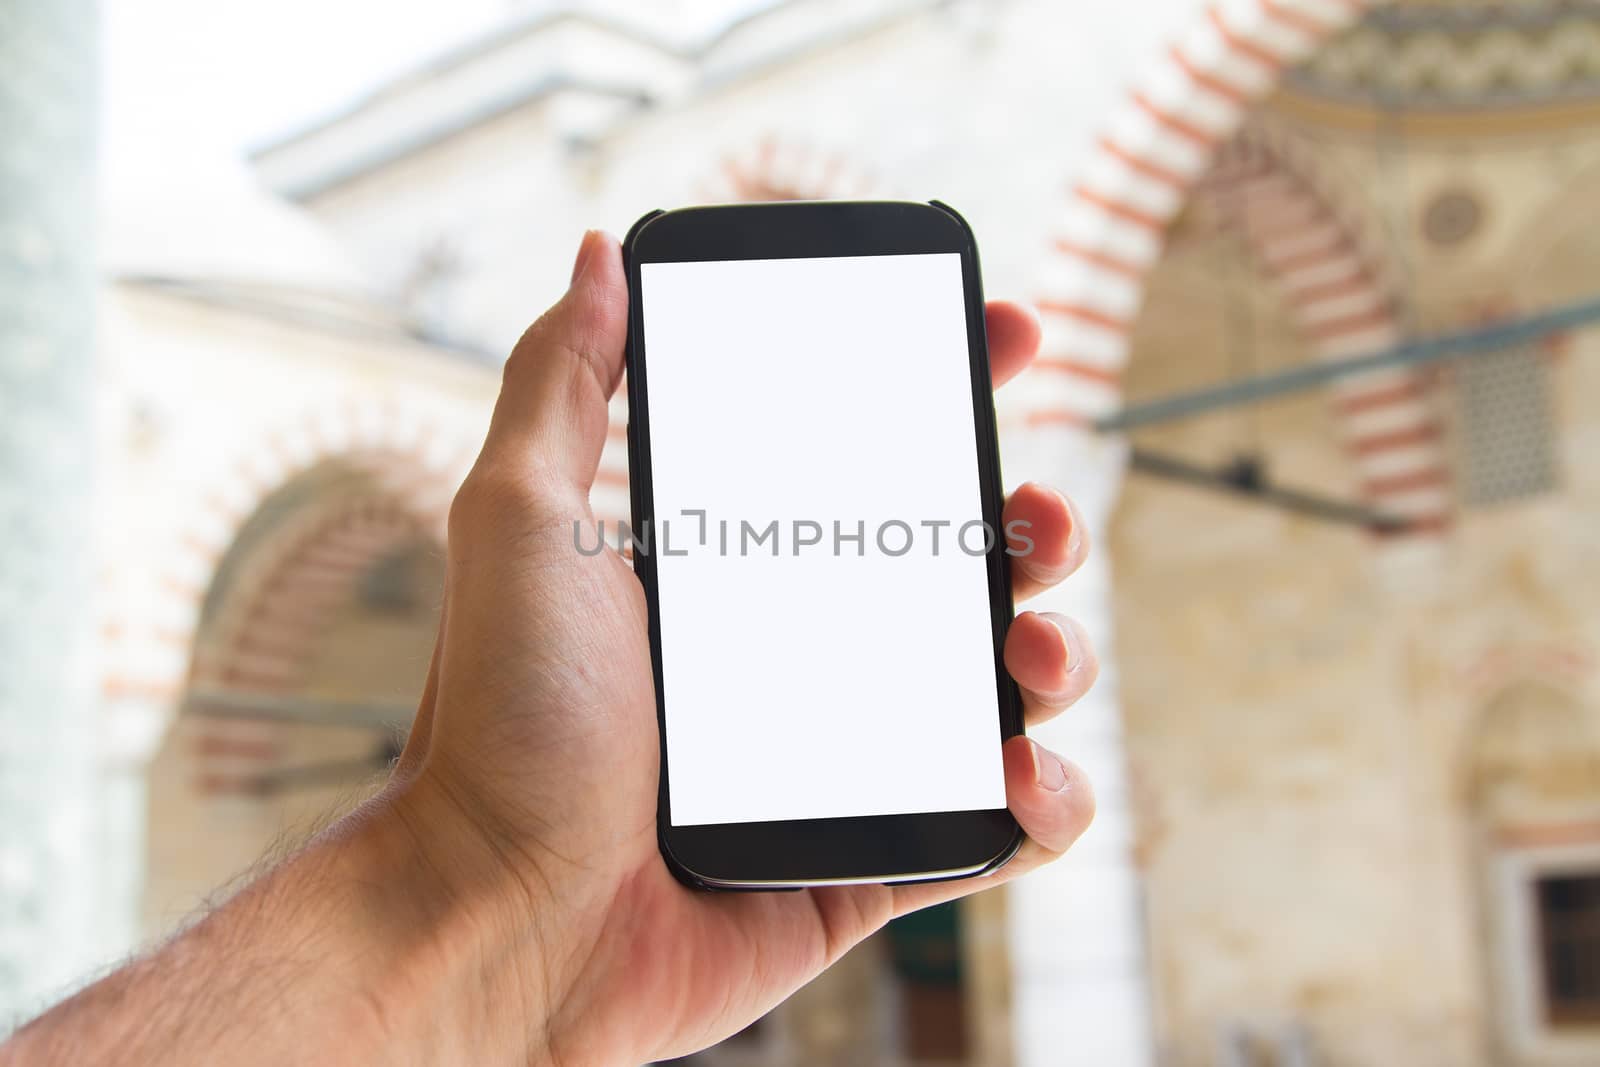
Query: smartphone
(816,500)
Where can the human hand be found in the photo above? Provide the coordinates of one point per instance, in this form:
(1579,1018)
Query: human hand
(528,785)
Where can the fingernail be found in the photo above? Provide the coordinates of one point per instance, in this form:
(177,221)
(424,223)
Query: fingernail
(586,249)
(1048,772)
(1052,575)
(1075,535)
(1072,640)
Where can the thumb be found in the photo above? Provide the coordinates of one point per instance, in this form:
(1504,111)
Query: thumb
(550,420)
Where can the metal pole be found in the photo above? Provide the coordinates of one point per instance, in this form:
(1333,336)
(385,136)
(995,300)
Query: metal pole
(1250,485)
(1463,344)
(49,800)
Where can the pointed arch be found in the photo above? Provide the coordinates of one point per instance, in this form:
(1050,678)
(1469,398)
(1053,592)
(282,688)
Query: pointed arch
(1335,281)
(334,539)
(412,456)
(1153,155)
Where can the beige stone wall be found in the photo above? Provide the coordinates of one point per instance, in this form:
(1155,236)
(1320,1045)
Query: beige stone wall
(1300,712)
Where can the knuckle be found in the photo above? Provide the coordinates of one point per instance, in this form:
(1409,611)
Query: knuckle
(470,509)
(525,353)
(486,498)
(524,504)
(570,339)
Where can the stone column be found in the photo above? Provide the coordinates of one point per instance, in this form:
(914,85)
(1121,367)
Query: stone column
(49,808)
(131,731)
(1081,991)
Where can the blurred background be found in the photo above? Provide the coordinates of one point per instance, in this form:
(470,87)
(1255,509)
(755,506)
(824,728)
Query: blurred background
(1318,279)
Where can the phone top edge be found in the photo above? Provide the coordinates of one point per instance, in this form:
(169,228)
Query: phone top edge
(960,220)
(798,229)
(788,205)
(639,224)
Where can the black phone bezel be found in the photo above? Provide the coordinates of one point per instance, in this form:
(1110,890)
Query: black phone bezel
(884,848)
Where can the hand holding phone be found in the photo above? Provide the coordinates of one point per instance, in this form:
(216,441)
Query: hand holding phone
(529,785)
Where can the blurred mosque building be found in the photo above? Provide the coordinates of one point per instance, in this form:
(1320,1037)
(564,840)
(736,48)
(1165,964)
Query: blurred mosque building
(1347,737)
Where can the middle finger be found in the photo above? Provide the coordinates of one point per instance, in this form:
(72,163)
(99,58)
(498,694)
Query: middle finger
(1046,535)
(1053,663)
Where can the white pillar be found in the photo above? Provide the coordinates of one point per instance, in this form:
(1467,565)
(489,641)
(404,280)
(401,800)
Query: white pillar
(48,805)
(131,732)
(1081,991)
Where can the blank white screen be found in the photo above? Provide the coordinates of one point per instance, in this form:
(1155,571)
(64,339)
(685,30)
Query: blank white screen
(816,684)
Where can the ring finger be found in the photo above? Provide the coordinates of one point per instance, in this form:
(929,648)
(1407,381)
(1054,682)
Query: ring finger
(1053,662)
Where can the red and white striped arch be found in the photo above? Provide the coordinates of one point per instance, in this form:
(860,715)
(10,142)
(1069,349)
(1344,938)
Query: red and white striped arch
(777,168)
(263,639)
(416,457)
(1149,160)
(1335,285)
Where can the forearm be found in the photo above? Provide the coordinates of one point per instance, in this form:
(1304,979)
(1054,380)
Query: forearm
(359,949)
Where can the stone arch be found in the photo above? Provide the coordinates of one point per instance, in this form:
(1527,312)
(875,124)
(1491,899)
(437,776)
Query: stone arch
(1511,690)
(303,677)
(1532,752)
(1156,144)
(1528,774)
(414,455)
(776,168)
(1154,153)
(1335,283)
(1558,662)
(264,598)
(334,538)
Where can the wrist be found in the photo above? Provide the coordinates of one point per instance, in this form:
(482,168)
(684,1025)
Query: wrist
(463,980)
